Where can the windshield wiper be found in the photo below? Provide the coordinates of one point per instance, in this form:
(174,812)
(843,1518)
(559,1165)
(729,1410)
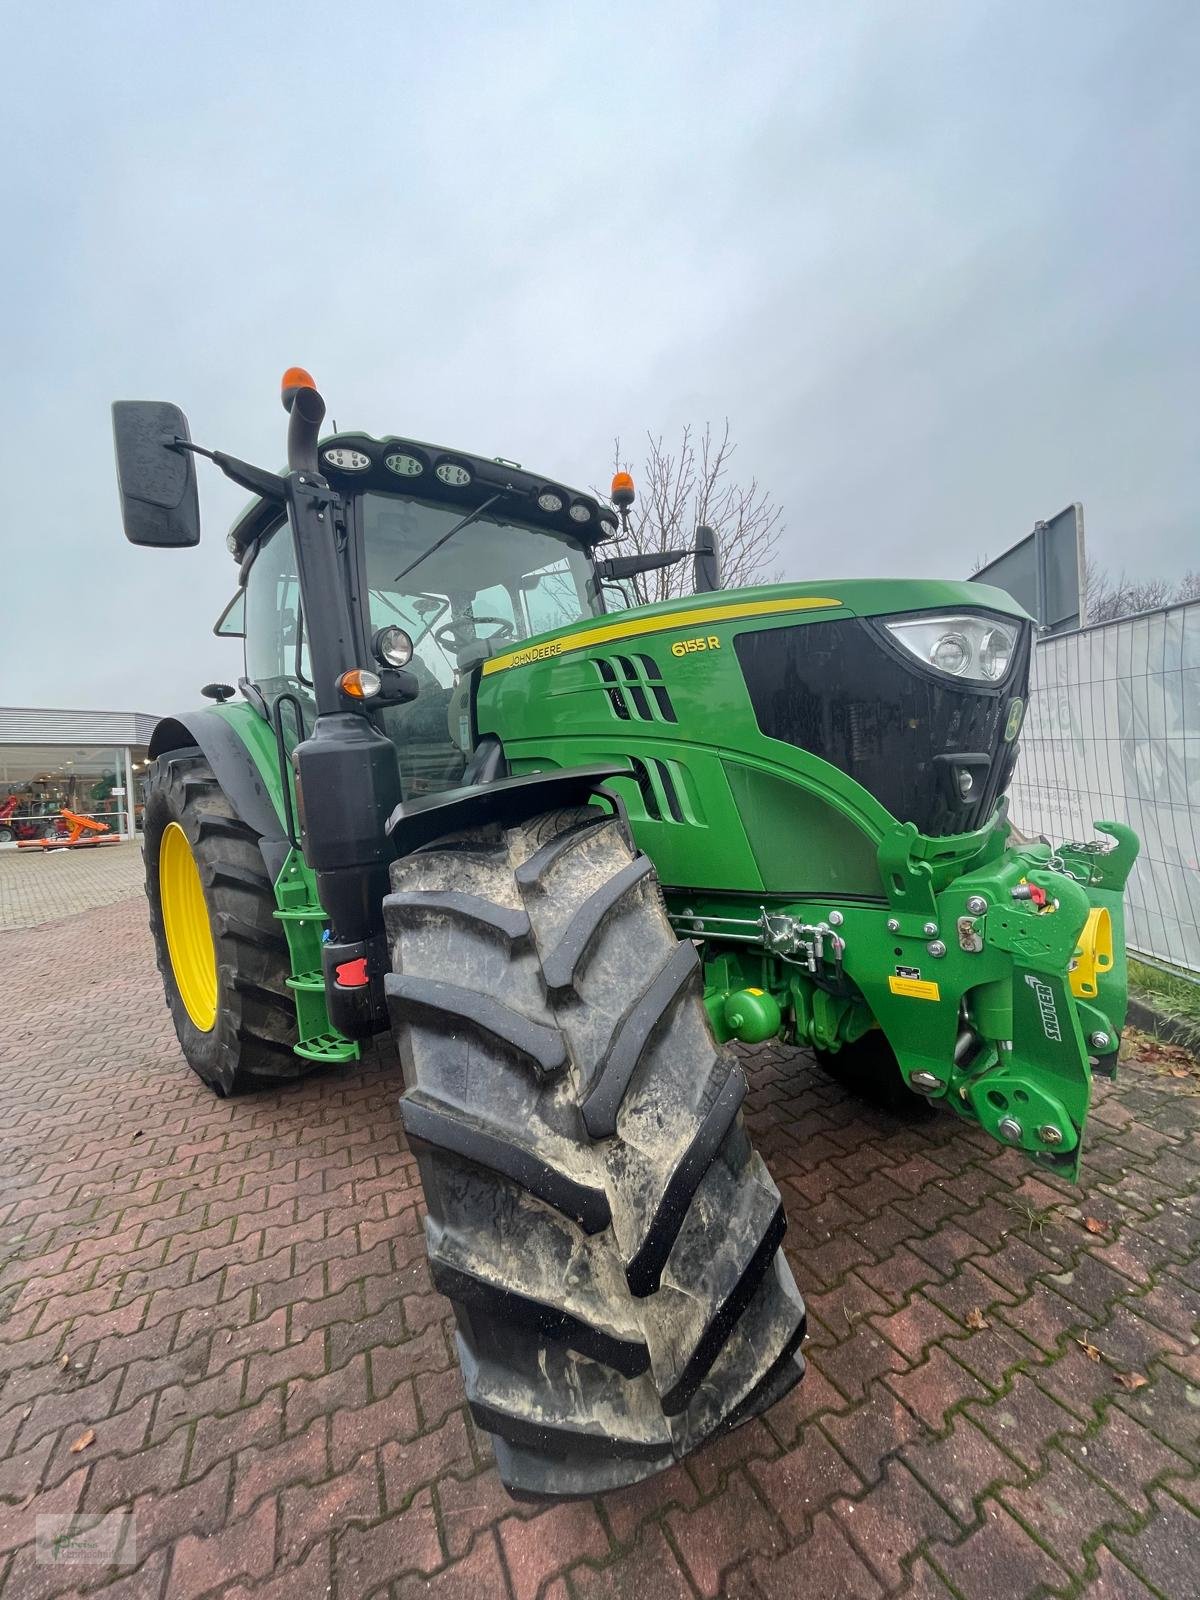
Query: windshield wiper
(472,516)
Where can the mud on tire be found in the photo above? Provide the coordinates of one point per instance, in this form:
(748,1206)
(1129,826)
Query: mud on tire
(250,1043)
(608,1238)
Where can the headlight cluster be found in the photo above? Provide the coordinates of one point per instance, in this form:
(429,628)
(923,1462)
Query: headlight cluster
(979,648)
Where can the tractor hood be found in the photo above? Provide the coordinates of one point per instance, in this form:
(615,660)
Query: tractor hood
(773,717)
(849,597)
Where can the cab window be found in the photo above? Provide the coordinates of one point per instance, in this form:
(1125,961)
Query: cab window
(276,646)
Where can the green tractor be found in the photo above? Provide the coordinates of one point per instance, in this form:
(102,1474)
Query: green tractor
(567,848)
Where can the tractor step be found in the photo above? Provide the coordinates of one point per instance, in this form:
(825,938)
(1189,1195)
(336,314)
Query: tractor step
(327,1047)
(304,925)
(310,982)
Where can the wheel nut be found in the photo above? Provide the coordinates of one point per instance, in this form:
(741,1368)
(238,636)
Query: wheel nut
(976,905)
(925,1082)
(1009,1128)
(1049,1134)
(936,948)
(893,925)
(836,919)
(1099,1041)
(929,929)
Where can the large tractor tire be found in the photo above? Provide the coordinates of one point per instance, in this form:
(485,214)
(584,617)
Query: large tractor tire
(608,1238)
(221,951)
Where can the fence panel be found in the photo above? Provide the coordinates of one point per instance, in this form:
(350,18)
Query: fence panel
(1113,732)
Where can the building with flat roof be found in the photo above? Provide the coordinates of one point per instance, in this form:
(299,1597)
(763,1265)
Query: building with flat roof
(90,762)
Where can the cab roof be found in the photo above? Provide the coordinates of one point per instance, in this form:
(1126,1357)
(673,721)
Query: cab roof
(354,462)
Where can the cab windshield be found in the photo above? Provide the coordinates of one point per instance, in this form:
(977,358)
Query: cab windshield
(491,583)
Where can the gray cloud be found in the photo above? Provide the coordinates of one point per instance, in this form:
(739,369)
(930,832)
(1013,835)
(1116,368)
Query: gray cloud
(937,263)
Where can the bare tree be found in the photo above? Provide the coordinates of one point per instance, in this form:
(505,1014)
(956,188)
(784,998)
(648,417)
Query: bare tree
(1108,598)
(688,487)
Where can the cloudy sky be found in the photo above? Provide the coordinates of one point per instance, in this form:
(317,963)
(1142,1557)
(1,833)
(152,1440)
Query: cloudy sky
(937,263)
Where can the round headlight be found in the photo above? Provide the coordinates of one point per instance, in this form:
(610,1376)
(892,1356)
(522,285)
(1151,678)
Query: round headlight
(347,460)
(404,466)
(450,472)
(995,653)
(392,646)
(950,653)
(549,501)
(581,512)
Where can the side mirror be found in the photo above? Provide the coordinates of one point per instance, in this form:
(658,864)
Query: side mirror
(706,567)
(157,480)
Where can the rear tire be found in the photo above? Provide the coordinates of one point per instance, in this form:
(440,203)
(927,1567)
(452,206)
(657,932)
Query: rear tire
(608,1239)
(249,1044)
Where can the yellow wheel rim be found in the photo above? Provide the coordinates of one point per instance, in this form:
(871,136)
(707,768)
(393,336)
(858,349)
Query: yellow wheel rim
(186,924)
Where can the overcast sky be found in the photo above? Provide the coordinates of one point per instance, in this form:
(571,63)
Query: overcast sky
(937,263)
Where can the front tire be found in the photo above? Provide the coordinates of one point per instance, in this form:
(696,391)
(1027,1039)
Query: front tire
(608,1239)
(221,952)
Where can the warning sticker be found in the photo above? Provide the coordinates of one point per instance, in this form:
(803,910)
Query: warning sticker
(915,988)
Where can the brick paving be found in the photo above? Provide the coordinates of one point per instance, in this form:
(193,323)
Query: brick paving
(233,1298)
(43,885)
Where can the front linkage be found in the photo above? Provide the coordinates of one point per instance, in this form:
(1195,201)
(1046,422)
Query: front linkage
(998,990)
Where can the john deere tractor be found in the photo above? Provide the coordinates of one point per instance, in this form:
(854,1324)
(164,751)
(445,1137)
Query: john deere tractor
(567,848)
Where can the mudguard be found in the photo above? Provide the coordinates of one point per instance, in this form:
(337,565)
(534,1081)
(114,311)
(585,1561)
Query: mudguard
(240,748)
(508,801)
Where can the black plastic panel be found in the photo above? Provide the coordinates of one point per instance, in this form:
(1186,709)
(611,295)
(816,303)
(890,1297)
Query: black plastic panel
(842,692)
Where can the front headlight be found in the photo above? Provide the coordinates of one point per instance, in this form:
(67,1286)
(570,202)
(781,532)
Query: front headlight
(979,648)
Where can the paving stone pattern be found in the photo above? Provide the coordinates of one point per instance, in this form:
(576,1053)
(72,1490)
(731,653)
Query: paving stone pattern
(44,885)
(232,1296)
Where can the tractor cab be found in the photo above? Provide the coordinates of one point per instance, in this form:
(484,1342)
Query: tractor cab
(450,558)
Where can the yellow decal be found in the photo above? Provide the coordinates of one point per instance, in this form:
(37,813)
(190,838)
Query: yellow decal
(696,617)
(915,988)
(685,647)
(537,652)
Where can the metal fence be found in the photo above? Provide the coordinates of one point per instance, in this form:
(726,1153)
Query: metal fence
(1113,733)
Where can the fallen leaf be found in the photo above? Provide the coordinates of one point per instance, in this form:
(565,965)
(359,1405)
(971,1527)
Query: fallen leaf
(1180,1072)
(1094,1225)
(1089,1350)
(1132,1380)
(64,1361)
(89,1437)
(975,1318)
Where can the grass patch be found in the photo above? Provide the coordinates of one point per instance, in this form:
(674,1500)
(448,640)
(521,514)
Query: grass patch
(1173,994)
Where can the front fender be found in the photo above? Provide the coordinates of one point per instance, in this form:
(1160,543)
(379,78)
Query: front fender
(240,748)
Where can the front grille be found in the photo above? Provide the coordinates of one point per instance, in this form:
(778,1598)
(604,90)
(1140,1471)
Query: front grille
(840,691)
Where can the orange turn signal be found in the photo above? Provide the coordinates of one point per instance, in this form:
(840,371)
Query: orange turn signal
(359,684)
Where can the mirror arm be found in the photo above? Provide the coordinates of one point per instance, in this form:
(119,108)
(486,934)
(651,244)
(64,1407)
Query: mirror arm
(267,484)
(630,566)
